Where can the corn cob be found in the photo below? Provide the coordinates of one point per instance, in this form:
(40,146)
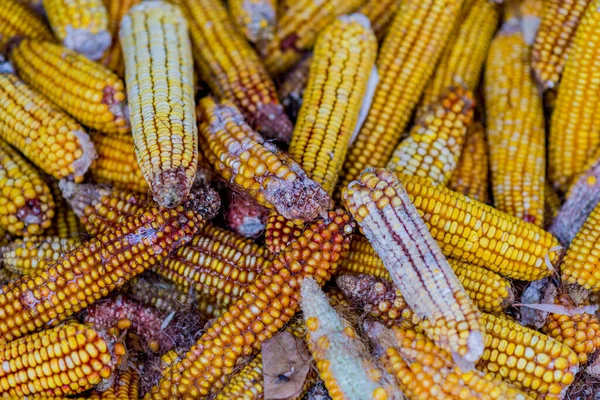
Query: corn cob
(268,303)
(515,128)
(530,13)
(24,256)
(245,216)
(552,204)
(125,387)
(574,132)
(386,215)
(45,135)
(113,57)
(256,19)
(559,23)
(342,360)
(160,294)
(406,60)
(280,232)
(65,223)
(292,87)
(433,146)
(5,237)
(35,5)
(116,163)
(68,359)
(232,68)
(26,205)
(242,157)
(97,267)
(380,13)
(7,277)
(464,55)
(86,90)
(17,20)
(160,77)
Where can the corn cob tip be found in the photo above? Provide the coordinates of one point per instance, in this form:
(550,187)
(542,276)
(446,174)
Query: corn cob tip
(245,216)
(207,200)
(90,44)
(83,163)
(273,123)
(81,195)
(169,187)
(359,18)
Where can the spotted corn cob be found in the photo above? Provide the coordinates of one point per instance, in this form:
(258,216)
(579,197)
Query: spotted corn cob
(26,205)
(113,57)
(471,174)
(406,60)
(65,360)
(559,22)
(343,362)
(433,146)
(116,163)
(17,20)
(256,19)
(86,90)
(81,25)
(574,133)
(380,13)
(232,68)
(242,157)
(280,232)
(386,215)
(52,140)
(515,127)
(292,87)
(24,256)
(160,83)
(268,303)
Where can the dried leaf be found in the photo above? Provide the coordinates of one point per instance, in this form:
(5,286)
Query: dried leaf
(540,291)
(558,309)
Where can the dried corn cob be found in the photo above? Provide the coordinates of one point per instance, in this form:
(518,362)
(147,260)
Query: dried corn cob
(407,58)
(245,216)
(380,13)
(293,85)
(26,205)
(233,69)
(86,90)
(342,359)
(471,174)
(280,232)
(552,204)
(574,131)
(160,76)
(433,146)
(125,387)
(559,22)
(515,127)
(65,223)
(160,294)
(113,57)
(243,158)
(463,58)
(44,134)
(268,303)
(17,20)
(24,256)
(384,211)
(255,18)
(116,163)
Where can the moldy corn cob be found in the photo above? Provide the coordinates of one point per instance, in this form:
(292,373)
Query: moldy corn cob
(255,18)
(24,256)
(17,20)
(113,57)
(244,215)
(160,83)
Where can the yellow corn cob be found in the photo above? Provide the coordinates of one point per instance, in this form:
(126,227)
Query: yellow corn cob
(86,90)
(515,127)
(574,131)
(406,60)
(380,13)
(279,232)
(293,85)
(242,157)
(113,57)
(232,68)
(116,163)
(24,256)
(125,386)
(160,83)
(343,58)
(81,25)
(255,18)
(65,223)
(17,20)
(560,19)
(26,205)
(35,5)
(68,359)
(382,208)
(433,146)
(530,13)
(49,138)
(471,174)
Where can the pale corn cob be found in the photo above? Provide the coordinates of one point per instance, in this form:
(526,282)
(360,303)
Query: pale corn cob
(255,18)
(406,60)
(26,205)
(386,215)
(86,90)
(433,146)
(381,14)
(292,86)
(160,83)
(232,68)
(515,127)
(27,255)
(17,20)
(65,223)
(113,57)
(50,139)
(242,157)
(575,127)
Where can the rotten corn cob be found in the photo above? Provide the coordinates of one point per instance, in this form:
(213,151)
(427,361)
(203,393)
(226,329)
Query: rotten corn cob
(17,20)
(113,57)
(255,18)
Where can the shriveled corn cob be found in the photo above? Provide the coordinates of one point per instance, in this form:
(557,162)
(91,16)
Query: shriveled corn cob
(160,83)
(515,127)
(292,87)
(26,205)
(342,359)
(386,215)
(242,157)
(113,57)
(559,23)
(125,386)
(86,90)
(433,146)
(52,140)
(232,68)
(380,13)
(65,223)
(268,303)
(17,20)
(575,127)
(24,256)
(255,18)
(406,60)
